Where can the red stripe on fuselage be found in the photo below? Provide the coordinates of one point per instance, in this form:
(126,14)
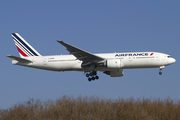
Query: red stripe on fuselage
(151,54)
(21,52)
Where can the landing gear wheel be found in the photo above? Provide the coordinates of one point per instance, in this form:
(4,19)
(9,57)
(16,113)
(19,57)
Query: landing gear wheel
(160,73)
(97,77)
(87,75)
(94,73)
(91,74)
(89,79)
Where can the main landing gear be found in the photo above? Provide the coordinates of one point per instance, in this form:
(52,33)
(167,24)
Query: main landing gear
(93,75)
(160,70)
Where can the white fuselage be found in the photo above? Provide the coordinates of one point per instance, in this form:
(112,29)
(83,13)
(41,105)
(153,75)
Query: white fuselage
(127,61)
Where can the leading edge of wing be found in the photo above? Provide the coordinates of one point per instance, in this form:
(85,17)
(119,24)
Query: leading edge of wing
(80,54)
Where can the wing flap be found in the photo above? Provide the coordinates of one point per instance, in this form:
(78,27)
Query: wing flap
(19,59)
(81,54)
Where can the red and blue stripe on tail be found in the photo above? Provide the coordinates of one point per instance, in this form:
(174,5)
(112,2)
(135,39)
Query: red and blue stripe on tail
(24,48)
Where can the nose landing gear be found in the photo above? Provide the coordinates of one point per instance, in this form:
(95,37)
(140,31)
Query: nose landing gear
(160,69)
(93,75)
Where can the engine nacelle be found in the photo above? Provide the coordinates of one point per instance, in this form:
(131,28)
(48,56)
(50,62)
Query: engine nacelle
(116,73)
(113,63)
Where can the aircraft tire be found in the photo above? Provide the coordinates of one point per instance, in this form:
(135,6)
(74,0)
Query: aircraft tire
(97,77)
(91,74)
(89,79)
(87,75)
(94,73)
(160,73)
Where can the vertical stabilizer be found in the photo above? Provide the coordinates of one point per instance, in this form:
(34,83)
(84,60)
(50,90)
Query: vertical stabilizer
(24,48)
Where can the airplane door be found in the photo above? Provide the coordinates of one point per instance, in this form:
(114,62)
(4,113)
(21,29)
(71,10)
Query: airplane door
(132,61)
(157,58)
(45,61)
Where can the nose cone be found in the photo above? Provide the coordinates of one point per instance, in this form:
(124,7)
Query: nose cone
(173,60)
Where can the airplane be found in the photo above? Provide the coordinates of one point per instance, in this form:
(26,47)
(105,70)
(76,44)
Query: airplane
(79,60)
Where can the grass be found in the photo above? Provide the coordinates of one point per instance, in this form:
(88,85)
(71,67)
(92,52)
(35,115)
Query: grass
(92,108)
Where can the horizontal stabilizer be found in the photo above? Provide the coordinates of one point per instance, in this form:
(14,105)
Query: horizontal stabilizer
(19,59)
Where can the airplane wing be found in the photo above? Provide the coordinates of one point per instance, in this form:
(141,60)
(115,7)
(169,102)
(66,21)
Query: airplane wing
(19,59)
(86,57)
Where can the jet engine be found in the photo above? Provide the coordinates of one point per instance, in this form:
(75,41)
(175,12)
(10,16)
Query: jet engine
(116,73)
(113,63)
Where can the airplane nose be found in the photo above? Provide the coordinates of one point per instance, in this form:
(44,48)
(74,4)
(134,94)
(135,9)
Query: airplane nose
(174,60)
(171,60)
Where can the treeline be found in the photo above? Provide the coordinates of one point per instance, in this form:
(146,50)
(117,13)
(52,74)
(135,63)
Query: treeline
(92,108)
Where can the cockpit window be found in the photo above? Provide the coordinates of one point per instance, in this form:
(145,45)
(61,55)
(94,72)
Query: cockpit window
(169,56)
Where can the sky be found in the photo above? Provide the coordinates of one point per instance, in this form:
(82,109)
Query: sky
(97,27)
